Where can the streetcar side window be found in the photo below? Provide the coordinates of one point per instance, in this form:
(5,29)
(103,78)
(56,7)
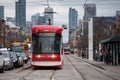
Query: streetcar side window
(57,42)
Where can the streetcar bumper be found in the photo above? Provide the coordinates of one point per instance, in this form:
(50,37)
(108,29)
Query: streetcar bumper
(47,63)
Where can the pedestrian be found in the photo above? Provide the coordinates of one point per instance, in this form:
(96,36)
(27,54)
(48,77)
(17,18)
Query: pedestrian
(100,56)
(106,56)
(82,55)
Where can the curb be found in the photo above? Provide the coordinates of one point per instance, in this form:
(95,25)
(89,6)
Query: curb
(90,62)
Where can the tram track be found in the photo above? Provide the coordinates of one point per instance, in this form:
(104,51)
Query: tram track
(30,72)
(79,72)
(52,76)
(103,73)
(93,66)
(23,69)
(97,68)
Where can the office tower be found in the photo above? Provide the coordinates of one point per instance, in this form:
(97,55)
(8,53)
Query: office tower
(118,14)
(1,12)
(35,19)
(42,20)
(89,12)
(21,13)
(73,19)
(28,26)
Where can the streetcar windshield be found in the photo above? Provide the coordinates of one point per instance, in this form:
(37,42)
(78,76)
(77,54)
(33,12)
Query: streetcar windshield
(46,43)
(66,50)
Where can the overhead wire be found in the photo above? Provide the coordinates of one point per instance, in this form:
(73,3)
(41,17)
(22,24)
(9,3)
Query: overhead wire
(63,4)
(33,3)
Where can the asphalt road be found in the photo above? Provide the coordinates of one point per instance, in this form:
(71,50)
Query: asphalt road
(74,69)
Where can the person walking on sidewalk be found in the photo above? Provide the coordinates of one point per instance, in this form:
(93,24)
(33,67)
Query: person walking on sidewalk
(106,56)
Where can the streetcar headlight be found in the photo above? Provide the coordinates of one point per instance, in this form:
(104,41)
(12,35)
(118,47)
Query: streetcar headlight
(54,56)
(38,56)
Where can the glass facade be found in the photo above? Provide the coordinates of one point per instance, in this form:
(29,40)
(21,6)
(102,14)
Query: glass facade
(1,12)
(21,13)
(89,12)
(73,18)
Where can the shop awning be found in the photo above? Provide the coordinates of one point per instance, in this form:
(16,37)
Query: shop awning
(111,40)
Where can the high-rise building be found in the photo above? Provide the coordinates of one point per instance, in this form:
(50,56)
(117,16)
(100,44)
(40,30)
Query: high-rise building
(48,15)
(35,19)
(89,12)
(118,14)
(1,12)
(21,13)
(42,20)
(28,26)
(73,20)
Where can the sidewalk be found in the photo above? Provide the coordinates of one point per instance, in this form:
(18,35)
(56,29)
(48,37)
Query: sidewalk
(102,65)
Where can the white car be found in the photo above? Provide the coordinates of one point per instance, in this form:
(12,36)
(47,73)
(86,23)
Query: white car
(3,49)
(1,63)
(8,60)
(20,59)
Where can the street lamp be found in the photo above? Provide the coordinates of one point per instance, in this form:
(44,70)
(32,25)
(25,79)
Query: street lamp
(4,36)
(10,35)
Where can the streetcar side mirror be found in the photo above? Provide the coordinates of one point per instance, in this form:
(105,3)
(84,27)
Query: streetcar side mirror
(64,26)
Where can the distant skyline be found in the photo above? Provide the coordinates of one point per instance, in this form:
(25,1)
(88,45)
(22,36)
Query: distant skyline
(103,8)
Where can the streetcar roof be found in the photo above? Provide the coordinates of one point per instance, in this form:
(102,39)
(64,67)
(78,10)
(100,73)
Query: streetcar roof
(46,28)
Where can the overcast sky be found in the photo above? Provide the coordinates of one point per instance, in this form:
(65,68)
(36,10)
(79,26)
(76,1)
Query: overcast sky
(104,8)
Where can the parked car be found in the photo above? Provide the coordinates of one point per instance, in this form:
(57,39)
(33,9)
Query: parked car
(3,49)
(8,60)
(1,63)
(15,59)
(20,59)
(24,57)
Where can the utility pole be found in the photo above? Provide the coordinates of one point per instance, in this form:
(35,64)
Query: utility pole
(4,37)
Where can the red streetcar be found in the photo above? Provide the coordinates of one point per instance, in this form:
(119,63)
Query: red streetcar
(47,46)
(66,50)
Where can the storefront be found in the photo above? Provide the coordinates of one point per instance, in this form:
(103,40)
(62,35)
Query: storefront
(112,45)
